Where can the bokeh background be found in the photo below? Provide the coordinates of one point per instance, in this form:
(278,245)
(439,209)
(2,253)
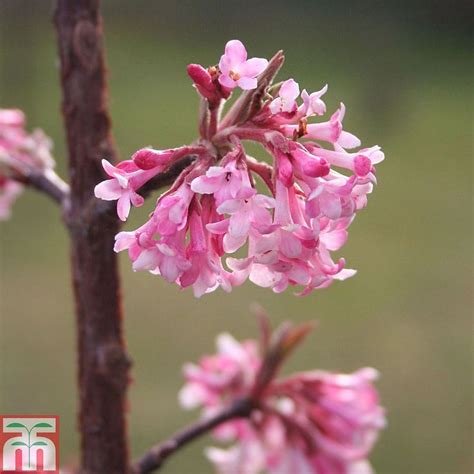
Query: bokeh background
(403,70)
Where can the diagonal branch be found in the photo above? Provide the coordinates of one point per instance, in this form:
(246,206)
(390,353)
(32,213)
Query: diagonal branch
(157,455)
(49,183)
(167,177)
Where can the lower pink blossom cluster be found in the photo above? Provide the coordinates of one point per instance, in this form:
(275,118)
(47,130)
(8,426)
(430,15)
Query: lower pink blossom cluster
(20,153)
(216,227)
(308,423)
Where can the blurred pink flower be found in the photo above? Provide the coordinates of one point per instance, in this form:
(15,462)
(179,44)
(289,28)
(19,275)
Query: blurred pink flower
(21,154)
(227,375)
(311,422)
(9,192)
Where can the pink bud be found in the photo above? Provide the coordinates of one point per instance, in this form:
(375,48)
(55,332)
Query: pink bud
(202,80)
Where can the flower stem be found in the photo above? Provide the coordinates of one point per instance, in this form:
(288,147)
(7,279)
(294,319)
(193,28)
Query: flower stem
(157,455)
(49,183)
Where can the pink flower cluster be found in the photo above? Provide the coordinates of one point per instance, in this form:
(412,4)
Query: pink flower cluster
(20,153)
(312,422)
(214,209)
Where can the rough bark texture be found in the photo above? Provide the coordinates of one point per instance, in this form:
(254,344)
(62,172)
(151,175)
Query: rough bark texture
(103,361)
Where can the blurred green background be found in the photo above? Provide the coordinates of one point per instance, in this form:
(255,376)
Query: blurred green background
(403,70)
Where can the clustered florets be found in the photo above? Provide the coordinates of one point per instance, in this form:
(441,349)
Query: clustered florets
(214,209)
(311,422)
(20,155)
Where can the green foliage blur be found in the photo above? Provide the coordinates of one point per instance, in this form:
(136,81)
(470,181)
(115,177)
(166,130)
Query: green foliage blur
(402,69)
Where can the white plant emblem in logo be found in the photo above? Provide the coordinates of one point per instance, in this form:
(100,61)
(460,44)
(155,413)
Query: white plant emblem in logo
(36,451)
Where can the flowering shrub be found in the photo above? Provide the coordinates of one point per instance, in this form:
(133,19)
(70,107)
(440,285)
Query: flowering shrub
(226,217)
(214,209)
(20,155)
(311,422)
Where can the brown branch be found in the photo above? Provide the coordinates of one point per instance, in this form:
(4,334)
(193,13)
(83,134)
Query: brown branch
(102,358)
(157,455)
(49,183)
(166,178)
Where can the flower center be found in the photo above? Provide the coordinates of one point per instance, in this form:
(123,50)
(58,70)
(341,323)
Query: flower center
(234,75)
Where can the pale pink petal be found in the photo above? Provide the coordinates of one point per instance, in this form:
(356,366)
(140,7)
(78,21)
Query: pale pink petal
(229,207)
(262,276)
(218,228)
(233,243)
(334,240)
(253,67)
(123,240)
(289,90)
(247,83)
(192,395)
(239,224)
(123,207)
(205,185)
(226,81)
(290,245)
(276,105)
(348,140)
(109,168)
(109,190)
(235,51)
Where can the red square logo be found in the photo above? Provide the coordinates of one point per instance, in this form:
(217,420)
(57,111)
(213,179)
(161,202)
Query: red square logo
(29,443)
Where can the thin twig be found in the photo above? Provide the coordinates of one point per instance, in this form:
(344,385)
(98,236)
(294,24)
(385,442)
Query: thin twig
(157,455)
(48,183)
(166,178)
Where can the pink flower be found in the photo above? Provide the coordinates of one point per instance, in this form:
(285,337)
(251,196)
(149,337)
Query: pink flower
(229,373)
(21,154)
(311,422)
(245,215)
(9,192)
(286,100)
(12,118)
(224,182)
(341,412)
(312,103)
(164,257)
(171,213)
(126,179)
(237,70)
(360,163)
(330,131)
(205,272)
(286,218)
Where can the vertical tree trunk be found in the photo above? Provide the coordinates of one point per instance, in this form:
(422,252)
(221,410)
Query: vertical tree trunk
(103,362)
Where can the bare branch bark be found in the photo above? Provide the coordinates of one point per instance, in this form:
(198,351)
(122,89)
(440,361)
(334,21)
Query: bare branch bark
(49,183)
(157,455)
(102,358)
